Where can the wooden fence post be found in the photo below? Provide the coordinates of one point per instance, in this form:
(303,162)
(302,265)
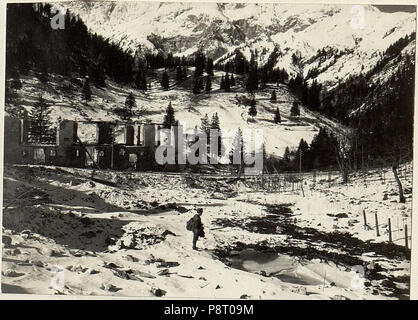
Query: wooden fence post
(390,230)
(365,176)
(406,236)
(365,220)
(377,225)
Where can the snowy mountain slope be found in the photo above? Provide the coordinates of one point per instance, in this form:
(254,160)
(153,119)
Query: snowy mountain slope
(189,109)
(218,29)
(394,65)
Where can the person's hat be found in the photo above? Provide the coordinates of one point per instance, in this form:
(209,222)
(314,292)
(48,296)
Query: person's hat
(199,210)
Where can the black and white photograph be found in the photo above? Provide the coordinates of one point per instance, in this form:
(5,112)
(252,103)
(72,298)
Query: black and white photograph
(208,150)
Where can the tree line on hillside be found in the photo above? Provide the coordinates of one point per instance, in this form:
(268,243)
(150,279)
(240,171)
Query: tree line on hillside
(237,63)
(204,70)
(318,155)
(161,60)
(379,134)
(380,112)
(74,51)
(33,45)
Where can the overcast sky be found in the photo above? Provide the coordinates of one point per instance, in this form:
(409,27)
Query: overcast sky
(394,8)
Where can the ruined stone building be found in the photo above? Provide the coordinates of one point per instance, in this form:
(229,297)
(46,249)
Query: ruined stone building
(116,145)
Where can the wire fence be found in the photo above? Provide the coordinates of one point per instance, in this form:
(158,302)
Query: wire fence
(295,181)
(395,225)
(390,225)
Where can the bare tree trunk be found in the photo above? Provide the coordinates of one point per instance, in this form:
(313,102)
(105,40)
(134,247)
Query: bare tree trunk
(343,155)
(395,173)
(343,166)
(345,175)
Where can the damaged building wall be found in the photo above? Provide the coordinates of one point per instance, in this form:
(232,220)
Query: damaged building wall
(119,133)
(105,133)
(126,146)
(149,132)
(17,148)
(12,140)
(67,131)
(68,152)
(129,135)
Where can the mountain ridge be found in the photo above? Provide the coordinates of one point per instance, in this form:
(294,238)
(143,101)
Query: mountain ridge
(219,29)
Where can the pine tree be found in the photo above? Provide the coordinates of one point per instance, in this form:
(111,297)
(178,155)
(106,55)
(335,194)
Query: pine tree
(15,84)
(216,125)
(222,83)
(322,149)
(277,118)
(294,111)
(169,119)
(144,82)
(130,103)
(165,82)
(273,96)
(98,76)
(232,80)
(169,61)
(208,87)
(205,126)
(286,156)
(199,64)
(227,83)
(39,123)
(252,80)
(303,156)
(285,163)
(196,85)
(209,67)
(179,74)
(200,84)
(236,155)
(138,79)
(86,93)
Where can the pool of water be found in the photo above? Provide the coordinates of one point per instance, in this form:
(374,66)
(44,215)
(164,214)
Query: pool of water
(290,269)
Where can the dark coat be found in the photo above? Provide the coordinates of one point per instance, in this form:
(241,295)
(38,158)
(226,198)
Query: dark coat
(197,226)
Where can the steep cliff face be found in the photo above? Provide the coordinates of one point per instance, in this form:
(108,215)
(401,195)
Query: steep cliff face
(352,37)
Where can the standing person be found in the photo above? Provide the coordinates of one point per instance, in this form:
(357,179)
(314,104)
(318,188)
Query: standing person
(195,225)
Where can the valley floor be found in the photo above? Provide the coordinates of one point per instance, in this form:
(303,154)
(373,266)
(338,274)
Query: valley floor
(78,232)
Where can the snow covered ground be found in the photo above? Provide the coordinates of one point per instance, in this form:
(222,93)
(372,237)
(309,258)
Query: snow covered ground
(123,233)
